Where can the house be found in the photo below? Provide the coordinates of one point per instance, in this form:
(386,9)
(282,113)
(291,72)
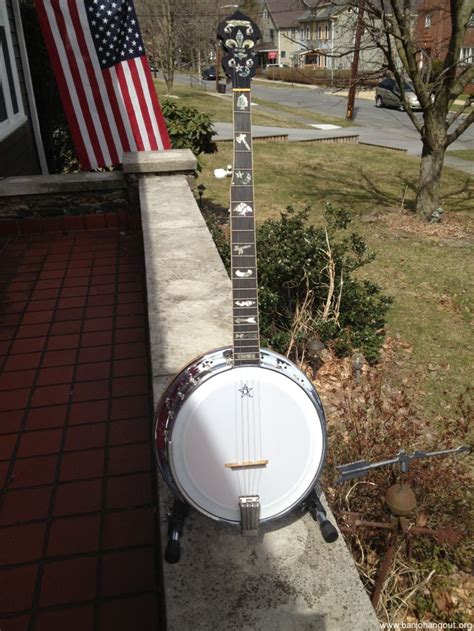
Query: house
(327,29)
(433,31)
(21,150)
(281,28)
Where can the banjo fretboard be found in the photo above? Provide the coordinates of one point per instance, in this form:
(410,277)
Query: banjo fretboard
(246,338)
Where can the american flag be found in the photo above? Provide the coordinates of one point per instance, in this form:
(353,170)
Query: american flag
(104,78)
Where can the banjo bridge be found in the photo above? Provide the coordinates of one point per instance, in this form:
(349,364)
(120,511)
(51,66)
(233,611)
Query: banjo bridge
(246,464)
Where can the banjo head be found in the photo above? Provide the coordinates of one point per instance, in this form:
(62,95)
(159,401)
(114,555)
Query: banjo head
(226,431)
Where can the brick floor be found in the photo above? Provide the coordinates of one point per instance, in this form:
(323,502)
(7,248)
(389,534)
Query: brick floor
(78,535)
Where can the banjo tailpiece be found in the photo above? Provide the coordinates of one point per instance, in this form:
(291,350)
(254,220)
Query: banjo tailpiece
(249,514)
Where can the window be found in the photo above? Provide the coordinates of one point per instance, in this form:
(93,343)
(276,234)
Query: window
(272,33)
(283,54)
(467,56)
(11,107)
(428,20)
(308,33)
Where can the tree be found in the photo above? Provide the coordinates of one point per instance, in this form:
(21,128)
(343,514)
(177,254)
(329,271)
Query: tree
(437,82)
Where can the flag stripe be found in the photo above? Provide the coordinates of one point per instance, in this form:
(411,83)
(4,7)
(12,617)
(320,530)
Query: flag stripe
(149,136)
(143,67)
(118,109)
(121,70)
(162,132)
(68,93)
(77,89)
(89,95)
(99,91)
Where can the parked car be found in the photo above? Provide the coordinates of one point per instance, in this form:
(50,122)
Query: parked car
(387,94)
(209,74)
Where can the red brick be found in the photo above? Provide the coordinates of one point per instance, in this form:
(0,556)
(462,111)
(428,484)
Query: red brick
(76,281)
(7,333)
(105,311)
(10,421)
(94,222)
(129,490)
(73,222)
(98,324)
(7,445)
(91,390)
(131,309)
(125,351)
(19,544)
(16,296)
(62,315)
(37,317)
(19,623)
(130,385)
(40,443)
(17,379)
(130,367)
(130,297)
(34,471)
(66,328)
(59,358)
(14,399)
(122,614)
(28,346)
(17,586)
(129,528)
(44,294)
(130,431)
(41,305)
(103,279)
(27,505)
(51,274)
(70,619)
(97,370)
(102,290)
(51,395)
(85,437)
(74,535)
(56,375)
(111,220)
(78,497)
(123,336)
(89,412)
(101,301)
(139,575)
(68,581)
(130,407)
(95,354)
(4,466)
(52,224)
(61,342)
(96,339)
(82,465)
(74,292)
(32,330)
(30,225)
(130,321)
(72,303)
(129,459)
(46,417)
(50,283)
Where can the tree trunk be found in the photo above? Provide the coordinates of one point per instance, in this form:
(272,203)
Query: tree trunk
(428,194)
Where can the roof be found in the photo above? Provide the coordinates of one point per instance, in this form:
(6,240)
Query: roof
(285,13)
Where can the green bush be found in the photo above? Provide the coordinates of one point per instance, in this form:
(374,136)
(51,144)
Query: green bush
(188,128)
(307,288)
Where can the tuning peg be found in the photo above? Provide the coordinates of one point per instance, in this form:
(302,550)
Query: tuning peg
(222,173)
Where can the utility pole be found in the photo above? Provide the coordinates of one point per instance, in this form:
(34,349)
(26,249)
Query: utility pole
(355,62)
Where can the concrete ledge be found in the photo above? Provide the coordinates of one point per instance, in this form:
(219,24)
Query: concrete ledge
(288,578)
(160,162)
(61,183)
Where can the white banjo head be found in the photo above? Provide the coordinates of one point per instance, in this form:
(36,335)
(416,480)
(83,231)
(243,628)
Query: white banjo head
(245,431)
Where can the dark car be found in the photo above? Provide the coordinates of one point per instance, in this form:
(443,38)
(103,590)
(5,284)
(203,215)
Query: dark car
(209,74)
(387,94)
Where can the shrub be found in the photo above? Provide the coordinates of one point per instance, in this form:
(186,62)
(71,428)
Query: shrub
(188,128)
(306,287)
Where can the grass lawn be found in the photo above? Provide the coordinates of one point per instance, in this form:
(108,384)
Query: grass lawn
(465,154)
(429,270)
(219,107)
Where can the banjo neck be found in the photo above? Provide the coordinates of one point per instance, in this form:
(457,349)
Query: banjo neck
(246,336)
(238,36)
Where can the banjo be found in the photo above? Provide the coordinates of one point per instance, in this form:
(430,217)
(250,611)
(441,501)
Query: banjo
(240,432)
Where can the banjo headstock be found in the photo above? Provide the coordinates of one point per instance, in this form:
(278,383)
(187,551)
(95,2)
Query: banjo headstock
(239,36)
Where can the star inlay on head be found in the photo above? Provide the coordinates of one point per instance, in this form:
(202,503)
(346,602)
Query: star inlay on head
(245,390)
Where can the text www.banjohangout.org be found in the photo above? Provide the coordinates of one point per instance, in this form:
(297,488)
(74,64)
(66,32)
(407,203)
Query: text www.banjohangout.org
(426,625)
